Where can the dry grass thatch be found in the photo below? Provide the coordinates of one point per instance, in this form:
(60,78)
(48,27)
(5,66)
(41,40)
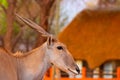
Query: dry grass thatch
(94,36)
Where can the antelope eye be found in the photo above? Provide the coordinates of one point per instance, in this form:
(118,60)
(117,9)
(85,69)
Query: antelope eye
(60,48)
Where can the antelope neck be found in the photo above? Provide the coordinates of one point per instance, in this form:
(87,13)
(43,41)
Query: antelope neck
(33,66)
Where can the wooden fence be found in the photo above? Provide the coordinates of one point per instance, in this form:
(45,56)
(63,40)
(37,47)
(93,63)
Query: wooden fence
(84,76)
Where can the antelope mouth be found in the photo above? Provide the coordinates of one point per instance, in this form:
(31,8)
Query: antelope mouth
(73,71)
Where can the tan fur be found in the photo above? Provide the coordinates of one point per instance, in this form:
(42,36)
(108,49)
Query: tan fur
(18,54)
(34,64)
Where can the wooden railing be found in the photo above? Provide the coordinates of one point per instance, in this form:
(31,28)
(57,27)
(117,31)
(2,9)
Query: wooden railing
(84,76)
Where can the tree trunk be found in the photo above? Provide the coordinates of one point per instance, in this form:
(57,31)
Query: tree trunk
(10,21)
(44,24)
(45,7)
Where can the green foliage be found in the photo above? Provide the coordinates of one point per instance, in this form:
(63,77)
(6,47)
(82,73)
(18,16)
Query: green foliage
(16,28)
(2,23)
(4,3)
(3,17)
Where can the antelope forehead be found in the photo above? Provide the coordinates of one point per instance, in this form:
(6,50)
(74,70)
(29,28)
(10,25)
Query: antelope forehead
(59,44)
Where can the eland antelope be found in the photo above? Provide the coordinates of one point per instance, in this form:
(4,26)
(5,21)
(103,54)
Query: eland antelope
(33,65)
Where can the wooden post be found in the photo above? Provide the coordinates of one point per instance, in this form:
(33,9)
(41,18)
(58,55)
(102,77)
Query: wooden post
(118,72)
(83,72)
(57,74)
(48,77)
(53,73)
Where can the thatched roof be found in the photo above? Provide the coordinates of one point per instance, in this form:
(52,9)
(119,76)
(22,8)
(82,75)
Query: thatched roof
(94,36)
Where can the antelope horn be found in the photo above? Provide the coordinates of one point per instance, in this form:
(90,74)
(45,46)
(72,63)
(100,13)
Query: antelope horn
(33,25)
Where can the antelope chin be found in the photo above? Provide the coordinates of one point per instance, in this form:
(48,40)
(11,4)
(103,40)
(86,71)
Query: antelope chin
(73,71)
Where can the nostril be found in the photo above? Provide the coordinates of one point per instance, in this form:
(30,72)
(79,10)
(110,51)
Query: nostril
(78,70)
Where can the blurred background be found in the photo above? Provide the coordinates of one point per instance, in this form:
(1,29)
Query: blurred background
(53,15)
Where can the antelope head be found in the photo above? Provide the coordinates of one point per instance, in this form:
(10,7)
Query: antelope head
(56,51)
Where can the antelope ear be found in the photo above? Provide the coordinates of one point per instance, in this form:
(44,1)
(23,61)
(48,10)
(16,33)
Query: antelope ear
(50,41)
